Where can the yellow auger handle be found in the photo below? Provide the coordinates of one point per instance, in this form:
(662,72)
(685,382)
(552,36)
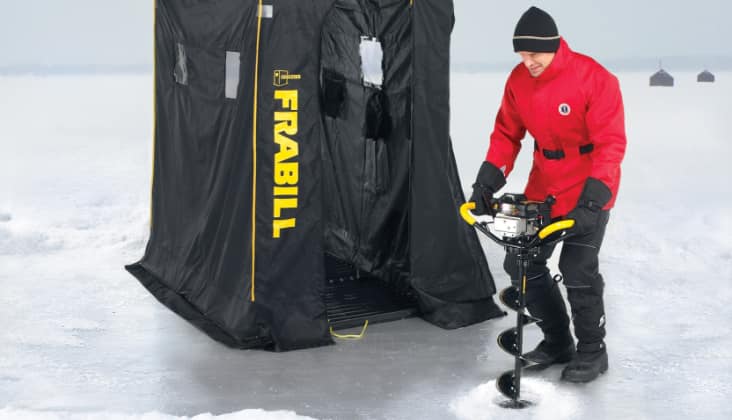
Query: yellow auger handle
(465,212)
(556,227)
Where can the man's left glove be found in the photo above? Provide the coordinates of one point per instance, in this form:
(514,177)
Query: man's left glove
(490,179)
(595,195)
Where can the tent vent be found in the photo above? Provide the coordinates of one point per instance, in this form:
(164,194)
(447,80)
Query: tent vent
(267,11)
(372,57)
(232,74)
(180,73)
(352,297)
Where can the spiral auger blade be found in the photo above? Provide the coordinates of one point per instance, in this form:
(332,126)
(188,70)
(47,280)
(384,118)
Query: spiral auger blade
(506,384)
(510,341)
(511,298)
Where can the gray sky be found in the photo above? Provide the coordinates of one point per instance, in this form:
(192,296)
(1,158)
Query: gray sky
(75,32)
(604,29)
(118,32)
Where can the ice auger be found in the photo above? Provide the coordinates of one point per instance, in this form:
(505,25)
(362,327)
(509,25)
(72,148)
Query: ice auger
(524,227)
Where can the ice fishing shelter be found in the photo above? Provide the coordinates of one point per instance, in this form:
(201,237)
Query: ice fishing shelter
(289,130)
(662,78)
(705,77)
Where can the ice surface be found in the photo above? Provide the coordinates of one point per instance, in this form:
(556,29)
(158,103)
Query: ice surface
(14,414)
(79,335)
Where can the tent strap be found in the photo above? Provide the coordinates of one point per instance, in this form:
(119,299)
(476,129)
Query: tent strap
(351,336)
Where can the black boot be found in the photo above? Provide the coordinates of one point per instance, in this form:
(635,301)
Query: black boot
(550,352)
(586,366)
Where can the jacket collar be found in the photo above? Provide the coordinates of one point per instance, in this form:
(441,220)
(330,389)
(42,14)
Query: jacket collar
(560,62)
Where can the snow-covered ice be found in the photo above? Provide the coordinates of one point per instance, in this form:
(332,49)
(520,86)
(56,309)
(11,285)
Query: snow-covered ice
(80,338)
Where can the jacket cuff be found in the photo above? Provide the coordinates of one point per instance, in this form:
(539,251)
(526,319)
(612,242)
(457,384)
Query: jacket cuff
(595,195)
(490,177)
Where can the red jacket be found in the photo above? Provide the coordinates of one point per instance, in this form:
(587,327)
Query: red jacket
(575,102)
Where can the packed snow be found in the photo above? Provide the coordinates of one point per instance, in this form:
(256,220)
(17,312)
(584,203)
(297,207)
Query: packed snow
(82,339)
(484,402)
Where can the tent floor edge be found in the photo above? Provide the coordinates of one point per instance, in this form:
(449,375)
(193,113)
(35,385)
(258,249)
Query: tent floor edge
(352,297)
(377,318)
(183,308)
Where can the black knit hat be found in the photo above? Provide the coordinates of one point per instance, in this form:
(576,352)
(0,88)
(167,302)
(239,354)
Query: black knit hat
(536,32)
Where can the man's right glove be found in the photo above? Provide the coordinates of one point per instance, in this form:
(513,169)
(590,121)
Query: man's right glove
(490,179)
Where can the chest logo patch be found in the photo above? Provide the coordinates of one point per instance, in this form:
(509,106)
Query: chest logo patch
(564,109)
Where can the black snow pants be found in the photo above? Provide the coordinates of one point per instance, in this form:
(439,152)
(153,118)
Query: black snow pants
(579,266)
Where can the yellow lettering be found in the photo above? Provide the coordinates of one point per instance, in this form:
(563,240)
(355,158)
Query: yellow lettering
(286,122)
(285,191)
(283,203)
(286,168)
(288,148)
(288,98)
(278,225)
(286,173)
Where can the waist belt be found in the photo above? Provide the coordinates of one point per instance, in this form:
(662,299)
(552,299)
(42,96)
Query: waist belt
(559,154)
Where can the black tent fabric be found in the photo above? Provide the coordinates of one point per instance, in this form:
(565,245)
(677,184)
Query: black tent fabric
(367,144)
(254,181)
(449,270)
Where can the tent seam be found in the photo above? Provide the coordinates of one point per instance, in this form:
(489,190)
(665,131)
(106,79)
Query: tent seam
(254,149)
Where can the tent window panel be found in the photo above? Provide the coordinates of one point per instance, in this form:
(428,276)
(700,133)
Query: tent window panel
(372,57)
(180,72)
(232,74)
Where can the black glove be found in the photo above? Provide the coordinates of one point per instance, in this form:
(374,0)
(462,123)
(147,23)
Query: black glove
(490,179)
(586,215)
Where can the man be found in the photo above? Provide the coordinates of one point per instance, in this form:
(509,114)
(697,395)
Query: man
(572,107)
